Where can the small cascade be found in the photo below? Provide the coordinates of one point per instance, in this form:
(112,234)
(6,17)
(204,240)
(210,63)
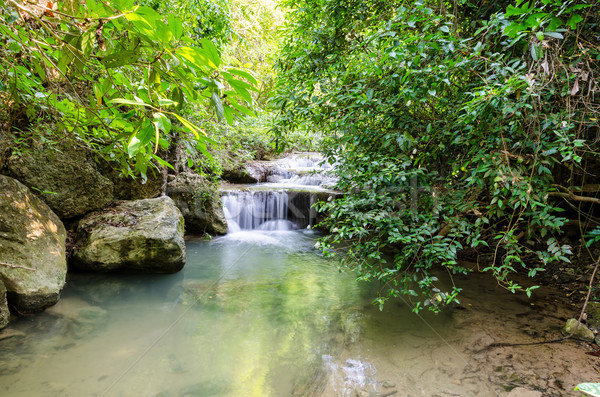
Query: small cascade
(285,201)
(249,210)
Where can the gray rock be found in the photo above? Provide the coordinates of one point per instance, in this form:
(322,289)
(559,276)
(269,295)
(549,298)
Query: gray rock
(582,332)
(127,188)
(142,235)
(66,177)
(593,315)
(199,202)
(33,265)
(254,172)
(4,312)
(522,392)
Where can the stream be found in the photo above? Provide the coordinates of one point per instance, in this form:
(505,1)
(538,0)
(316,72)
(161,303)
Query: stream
(259,312)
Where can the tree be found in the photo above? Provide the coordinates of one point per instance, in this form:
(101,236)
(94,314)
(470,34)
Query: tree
(115,76)
(459,130)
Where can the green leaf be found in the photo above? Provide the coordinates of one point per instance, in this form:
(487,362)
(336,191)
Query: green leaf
(243,74)
(216,100)
(574,19)
(176,26)
(555,35)
(162,162)
(163,32)
(120,58)
(591,389)
(212,52)
(124,101)
(197,56)
(163,122)
(140,140)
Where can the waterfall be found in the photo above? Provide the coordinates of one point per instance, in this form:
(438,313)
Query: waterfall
(285,201)
(249,210)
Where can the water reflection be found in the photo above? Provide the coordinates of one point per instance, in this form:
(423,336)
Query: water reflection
(248,316)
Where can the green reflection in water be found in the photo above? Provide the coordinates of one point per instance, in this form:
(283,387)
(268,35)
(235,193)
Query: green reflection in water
(251,314)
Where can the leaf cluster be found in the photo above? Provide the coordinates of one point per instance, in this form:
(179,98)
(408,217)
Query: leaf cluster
(455,136)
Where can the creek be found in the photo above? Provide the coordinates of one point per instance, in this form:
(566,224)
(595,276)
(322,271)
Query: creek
(259,312)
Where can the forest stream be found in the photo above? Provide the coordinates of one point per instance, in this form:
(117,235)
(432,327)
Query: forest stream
(260,312)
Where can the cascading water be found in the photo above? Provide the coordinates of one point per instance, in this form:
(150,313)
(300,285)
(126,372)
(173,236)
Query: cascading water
(248,210)
(285,201)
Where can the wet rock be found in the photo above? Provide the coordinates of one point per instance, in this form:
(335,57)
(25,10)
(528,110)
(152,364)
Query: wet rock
(66,177)
(593,315)
(142,235)
(33,265)
(215,387)
(254,172)
(4,312)
(582,332)
(522,392)
(199,202)
(78,318)
(11,333)
(87,320)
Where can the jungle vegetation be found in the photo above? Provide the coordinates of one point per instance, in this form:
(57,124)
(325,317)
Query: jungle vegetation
(463,129)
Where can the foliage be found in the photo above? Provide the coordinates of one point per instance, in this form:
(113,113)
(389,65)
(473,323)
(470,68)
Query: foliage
(116,76)
(458,131)
(590,389)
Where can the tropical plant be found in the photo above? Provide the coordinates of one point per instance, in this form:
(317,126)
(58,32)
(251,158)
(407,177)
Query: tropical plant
(115,76)
(459,130)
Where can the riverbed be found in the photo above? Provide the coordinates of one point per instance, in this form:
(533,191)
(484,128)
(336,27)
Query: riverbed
(262,313)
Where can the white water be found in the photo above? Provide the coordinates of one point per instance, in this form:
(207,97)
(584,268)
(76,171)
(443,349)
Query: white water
(268,206)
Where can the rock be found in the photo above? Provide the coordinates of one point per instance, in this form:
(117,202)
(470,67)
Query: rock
(199,202)
(142,235)
(593,315)
(66,176)
(4,312)
(11,333)
(254,172)
(33,264)
(582,332)
(127,188)
(522,392)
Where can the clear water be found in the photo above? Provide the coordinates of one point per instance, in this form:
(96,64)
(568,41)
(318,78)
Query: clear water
(250,315)
(260,313)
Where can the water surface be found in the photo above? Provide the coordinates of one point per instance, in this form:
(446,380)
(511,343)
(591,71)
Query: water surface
(261,313)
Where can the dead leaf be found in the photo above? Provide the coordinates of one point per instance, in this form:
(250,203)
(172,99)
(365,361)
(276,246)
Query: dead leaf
(575,89)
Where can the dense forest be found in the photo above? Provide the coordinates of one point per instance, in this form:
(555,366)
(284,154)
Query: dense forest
(461,130)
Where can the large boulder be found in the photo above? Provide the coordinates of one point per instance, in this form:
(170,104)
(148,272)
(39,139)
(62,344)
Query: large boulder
(33,264)
(199,202)
(66,176)
(142,235)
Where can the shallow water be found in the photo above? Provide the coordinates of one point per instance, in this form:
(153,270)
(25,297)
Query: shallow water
(260,313)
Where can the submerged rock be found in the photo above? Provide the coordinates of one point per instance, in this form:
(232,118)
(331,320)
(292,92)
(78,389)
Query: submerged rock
(522,392)
(582,332)
(66,176)
(142,235)
(199,202)
(33,264)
